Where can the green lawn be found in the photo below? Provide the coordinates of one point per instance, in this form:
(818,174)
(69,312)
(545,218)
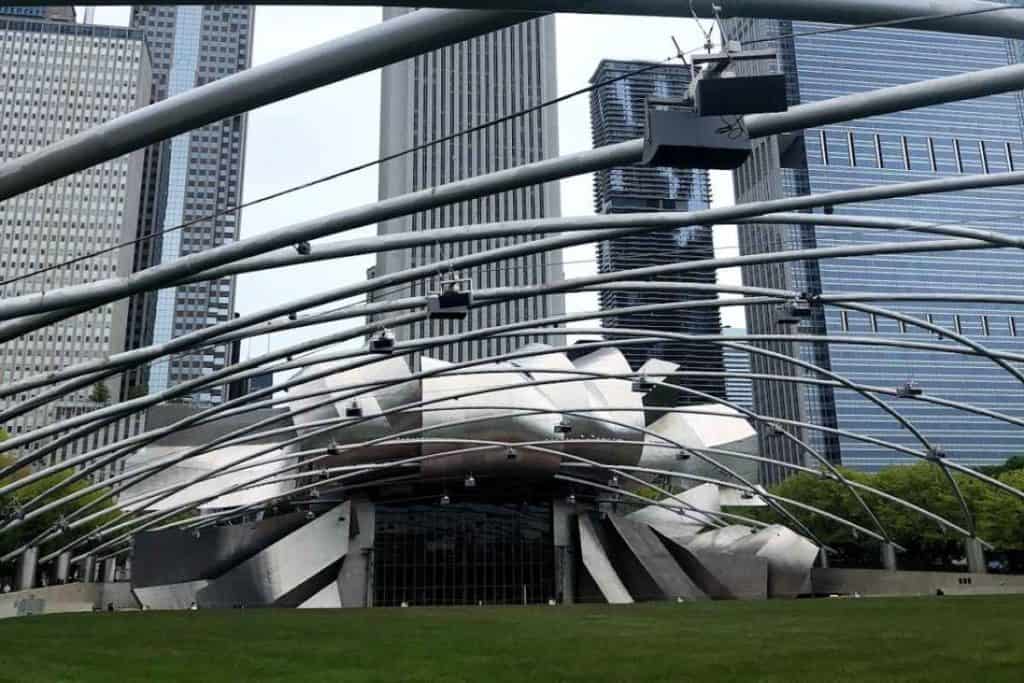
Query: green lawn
(917,639)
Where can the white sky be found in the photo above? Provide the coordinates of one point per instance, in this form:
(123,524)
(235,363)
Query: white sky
(335,127)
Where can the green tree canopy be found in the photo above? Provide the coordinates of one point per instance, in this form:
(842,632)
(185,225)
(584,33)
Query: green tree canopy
(998,515)
(12,503)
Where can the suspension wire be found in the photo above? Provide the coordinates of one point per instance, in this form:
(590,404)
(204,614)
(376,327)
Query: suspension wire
(879,24)
(483,126)
(348,171)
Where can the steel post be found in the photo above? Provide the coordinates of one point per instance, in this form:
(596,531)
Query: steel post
(975,556)
(888,553)
(28,563)
(63,568)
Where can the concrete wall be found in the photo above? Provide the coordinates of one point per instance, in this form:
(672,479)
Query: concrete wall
(882,582)
(71,597)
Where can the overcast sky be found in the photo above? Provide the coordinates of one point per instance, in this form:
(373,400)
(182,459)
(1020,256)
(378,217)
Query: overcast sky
(335,127)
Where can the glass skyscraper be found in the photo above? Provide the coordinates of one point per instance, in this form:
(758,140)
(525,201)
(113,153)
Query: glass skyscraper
(970,137)
(188,178)
(618,113)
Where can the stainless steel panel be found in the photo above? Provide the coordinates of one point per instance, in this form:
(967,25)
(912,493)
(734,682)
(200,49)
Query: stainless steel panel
(600,568)
(285,565)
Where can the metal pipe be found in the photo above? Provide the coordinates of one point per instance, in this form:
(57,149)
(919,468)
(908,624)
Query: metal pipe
(972,16)
(365,50)
(157,277)
(888,100)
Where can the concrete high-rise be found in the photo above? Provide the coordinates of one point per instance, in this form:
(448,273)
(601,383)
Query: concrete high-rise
(976,136)
(187,179)
(52,13)
(453,89)
(57,79)
(618,114)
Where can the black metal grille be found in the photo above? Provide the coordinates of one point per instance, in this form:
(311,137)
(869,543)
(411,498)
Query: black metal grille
(463,554)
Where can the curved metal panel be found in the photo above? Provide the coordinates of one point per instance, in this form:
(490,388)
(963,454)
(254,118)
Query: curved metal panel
(498,428)
(616,393)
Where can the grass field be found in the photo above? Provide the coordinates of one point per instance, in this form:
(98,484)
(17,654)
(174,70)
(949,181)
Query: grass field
(922,639)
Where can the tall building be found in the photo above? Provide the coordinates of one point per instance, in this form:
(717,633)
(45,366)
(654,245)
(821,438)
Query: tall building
(738,390)
(446,91)
(187,179)
(618,113)
(57,79)
(975,136)
(51,13)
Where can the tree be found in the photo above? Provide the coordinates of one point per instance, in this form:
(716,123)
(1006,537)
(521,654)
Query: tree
(1014,463)
(100,393)
(12,503)
(998,515)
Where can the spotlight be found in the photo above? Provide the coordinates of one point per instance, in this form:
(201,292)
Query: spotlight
(353,409)
(310,516)
(642,387)
(452,302)
(470,481)
(909,390)
(563,428)
(792,312)
(332,448)
(445,500)
(383,342)
(510,454)
(196,534)
(303,248)
(614,481)
(571,499)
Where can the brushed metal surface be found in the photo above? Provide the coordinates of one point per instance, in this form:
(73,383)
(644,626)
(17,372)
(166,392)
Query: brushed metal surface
(285,565)
(599,566)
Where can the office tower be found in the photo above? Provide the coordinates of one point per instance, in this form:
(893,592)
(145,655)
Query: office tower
(57,79)
(187,179)
(50,13)
(444,92)
(975,136)
(618,113)
(738,390)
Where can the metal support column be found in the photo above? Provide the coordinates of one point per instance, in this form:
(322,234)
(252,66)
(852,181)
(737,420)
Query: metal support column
(563,516)
(823,558)
(975,556)
(889,557)
(62,571)
(86,569)
(27,565)
(110,570)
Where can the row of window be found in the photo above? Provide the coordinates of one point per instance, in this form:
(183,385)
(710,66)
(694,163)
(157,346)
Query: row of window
(987,325)
(909,153)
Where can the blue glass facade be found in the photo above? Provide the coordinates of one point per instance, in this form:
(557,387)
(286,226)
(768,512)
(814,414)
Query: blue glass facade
(977,136)
(186,180)
(619,113)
